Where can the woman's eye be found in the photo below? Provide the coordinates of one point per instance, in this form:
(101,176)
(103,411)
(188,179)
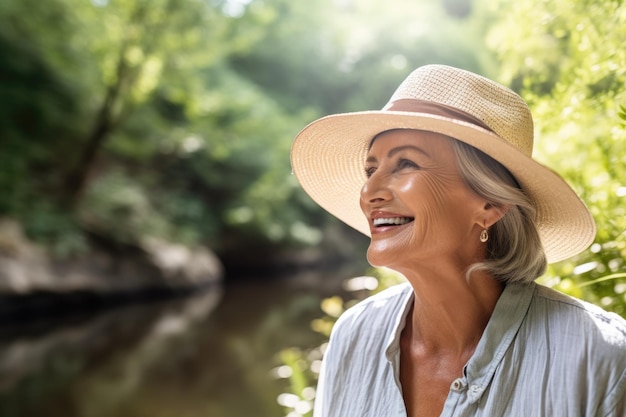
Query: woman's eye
(369,171)
(406,163)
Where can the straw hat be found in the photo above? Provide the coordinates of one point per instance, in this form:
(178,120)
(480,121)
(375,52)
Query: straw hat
(328,155)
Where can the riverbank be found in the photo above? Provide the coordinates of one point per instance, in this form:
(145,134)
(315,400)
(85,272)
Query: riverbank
(34,283)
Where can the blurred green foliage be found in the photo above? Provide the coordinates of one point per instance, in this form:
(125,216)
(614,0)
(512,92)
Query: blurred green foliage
(124,119)
(130,119)
(301,366)
(568,60)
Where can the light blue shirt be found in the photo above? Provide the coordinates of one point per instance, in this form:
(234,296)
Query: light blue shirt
(542,354)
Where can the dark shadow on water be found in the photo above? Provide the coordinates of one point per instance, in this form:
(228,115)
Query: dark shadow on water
(210,354)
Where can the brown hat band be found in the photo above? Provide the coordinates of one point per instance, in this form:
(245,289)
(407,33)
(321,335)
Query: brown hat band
(430,107)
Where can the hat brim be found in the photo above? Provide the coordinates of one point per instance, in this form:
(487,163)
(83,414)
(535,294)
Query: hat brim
(328,156)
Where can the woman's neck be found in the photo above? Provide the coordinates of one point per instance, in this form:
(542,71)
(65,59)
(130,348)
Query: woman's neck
(450,313)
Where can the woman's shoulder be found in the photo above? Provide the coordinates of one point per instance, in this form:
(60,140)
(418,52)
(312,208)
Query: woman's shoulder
(581,318)
(582,343)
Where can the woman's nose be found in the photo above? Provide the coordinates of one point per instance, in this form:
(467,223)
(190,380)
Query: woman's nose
(376,189)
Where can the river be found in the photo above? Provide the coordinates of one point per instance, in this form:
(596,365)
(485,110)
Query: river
(213,354)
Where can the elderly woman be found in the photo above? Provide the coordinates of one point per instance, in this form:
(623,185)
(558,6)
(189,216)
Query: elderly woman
(452,199)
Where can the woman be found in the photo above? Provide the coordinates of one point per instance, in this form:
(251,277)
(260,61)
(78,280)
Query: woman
(452,199)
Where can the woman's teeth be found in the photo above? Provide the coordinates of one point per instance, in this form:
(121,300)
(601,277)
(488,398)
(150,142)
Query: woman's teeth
(395,221)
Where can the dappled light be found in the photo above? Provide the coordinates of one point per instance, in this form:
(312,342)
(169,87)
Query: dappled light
(158,256)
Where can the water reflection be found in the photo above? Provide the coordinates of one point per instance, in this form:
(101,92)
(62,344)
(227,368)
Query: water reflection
(207,355)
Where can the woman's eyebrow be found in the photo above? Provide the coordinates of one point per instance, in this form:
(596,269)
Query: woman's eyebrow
(402,148)
(394,151)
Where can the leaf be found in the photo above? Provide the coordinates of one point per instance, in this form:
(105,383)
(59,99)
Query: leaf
(622,113)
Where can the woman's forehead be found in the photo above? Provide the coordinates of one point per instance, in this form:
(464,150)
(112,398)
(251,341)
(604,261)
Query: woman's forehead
(430,143)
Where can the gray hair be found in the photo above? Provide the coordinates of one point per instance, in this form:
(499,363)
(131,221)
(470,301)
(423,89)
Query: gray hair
(514,249)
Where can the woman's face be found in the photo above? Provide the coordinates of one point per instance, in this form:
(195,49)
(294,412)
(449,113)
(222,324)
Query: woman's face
(418,207)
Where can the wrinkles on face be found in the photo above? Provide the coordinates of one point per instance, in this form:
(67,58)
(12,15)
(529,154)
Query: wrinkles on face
(438,205)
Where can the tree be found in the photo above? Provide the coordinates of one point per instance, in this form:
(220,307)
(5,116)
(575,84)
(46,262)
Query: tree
(118,84)
(138,43)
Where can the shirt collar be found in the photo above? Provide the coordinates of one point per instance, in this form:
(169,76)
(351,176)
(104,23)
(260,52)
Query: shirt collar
(505,321)
(403,308)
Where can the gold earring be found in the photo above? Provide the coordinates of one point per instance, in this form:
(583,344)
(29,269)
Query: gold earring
(484,236)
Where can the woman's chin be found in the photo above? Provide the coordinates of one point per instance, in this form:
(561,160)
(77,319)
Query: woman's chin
(378,258)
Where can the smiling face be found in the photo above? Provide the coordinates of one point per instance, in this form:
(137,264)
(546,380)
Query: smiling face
(418,206)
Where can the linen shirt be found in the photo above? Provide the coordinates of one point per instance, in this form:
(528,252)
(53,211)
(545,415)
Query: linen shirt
(542,354)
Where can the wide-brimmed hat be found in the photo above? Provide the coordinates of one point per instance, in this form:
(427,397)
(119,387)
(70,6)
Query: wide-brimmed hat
(328,155)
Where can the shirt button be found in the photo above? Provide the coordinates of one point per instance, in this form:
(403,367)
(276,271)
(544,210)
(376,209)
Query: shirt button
(457,385)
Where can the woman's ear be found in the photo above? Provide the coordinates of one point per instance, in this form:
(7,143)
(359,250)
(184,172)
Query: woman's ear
(492,213)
